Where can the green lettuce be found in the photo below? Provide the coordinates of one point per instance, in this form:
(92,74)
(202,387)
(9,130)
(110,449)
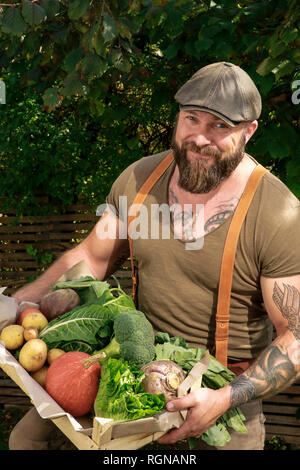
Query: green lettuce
(121,396)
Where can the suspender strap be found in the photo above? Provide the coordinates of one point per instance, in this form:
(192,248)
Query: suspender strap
(227,266)
(138,201)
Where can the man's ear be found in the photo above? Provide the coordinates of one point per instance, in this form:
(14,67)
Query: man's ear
(250,128)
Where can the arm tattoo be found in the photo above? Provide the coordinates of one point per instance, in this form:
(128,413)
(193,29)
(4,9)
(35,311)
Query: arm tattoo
(278,366)
(272,372)
(288,302)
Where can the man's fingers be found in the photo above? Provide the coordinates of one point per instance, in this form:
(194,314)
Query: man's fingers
(182,403)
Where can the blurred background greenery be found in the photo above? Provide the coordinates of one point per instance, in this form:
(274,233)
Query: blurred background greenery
(90,87)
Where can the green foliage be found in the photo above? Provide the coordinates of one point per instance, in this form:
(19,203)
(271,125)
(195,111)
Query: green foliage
(90,86)
(277,443)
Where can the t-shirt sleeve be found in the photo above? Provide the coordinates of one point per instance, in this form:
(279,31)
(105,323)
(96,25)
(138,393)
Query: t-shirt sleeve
(118,190)
(281,257)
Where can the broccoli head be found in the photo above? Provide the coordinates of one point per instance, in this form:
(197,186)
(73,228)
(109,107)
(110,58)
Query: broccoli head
(133,338)
(133,326)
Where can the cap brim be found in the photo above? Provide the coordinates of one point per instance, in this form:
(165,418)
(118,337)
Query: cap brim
(211,111)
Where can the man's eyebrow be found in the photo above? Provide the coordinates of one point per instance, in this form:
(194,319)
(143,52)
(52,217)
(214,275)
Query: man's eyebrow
(196,113)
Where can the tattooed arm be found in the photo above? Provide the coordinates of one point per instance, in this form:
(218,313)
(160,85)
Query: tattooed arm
(279,364)
(275,369)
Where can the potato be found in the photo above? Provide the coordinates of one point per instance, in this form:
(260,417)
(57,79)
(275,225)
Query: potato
(53,354)
(31,332)
(33,355)
(38,320)
(12,336)
(40,375)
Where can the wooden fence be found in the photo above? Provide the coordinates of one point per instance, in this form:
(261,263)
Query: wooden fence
(52,235)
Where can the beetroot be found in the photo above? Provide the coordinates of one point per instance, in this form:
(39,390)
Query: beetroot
(58,302)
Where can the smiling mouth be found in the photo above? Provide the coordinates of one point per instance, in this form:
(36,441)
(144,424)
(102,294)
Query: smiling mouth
(199,155)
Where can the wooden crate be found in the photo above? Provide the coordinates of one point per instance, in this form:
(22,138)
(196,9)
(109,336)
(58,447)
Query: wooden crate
(95,433)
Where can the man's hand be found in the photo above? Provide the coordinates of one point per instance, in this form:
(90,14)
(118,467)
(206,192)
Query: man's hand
(204,407)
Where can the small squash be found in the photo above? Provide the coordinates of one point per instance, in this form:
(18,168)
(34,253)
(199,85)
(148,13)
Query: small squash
(72,381)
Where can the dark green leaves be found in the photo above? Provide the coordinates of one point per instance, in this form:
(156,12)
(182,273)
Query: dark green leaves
(13,23)
(51,98)
(51,7)
(33,13)
(110,30)
(77,8)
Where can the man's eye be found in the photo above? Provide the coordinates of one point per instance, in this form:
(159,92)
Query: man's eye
(191,118)
(221,125)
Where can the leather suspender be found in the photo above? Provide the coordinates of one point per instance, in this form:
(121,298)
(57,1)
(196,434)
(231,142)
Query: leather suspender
(139,199)
(227,266)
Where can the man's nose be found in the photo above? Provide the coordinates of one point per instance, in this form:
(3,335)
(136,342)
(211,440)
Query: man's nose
(201,138)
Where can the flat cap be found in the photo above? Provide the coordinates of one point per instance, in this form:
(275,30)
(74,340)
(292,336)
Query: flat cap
(222,89)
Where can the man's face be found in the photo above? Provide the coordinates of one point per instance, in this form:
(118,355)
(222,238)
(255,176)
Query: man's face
(206,150)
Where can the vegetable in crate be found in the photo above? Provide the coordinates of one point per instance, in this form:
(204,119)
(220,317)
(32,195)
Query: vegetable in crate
(216,376)
(88,327)
(163,377)
(88,289)
(58,302)
(133,338)
(72,380)
(121,396)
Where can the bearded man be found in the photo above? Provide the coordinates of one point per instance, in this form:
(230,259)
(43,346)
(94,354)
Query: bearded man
(207,168)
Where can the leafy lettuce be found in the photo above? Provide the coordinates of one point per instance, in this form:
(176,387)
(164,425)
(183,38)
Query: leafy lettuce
(121,396)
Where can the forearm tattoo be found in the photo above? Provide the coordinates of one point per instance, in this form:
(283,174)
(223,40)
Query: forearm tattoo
(278,366)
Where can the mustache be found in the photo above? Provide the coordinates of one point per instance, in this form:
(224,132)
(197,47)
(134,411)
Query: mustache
(204,150)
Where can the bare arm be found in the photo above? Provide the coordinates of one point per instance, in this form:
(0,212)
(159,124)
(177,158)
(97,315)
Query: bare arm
(279,364)
(102,255)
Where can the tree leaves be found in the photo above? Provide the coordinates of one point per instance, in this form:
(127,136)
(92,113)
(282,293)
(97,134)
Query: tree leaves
(13,22)
(33,13)
(77,8)
(51,7)
(129,57)
(51,99)
(110,30)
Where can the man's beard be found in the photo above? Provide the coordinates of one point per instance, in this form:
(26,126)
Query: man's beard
(199,177)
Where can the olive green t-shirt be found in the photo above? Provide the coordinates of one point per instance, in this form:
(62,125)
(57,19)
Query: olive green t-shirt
(178,288)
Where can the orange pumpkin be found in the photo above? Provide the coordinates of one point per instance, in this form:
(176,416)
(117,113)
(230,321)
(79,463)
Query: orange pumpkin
(72,381)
